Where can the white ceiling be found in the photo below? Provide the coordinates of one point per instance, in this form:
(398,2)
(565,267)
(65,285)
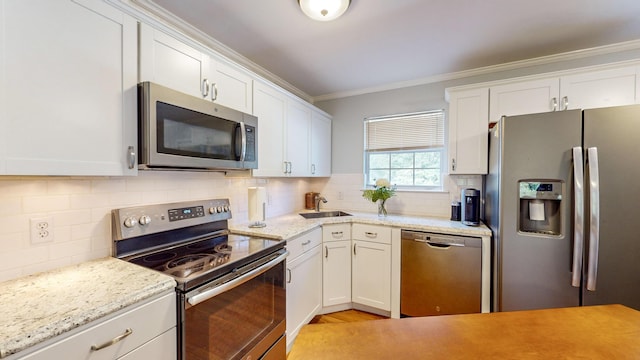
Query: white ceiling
(380,42)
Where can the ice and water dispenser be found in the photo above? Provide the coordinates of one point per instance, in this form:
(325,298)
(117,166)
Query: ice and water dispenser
(540,202)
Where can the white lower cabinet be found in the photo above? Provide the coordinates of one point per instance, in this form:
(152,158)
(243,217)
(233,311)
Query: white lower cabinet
(147,331)
(304,281)
(336,264)
(371,274)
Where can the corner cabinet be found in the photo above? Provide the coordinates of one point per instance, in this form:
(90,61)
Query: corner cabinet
(68,76)
(468,127)
(144,331)
(304,281)
(336,264)
(371,266)
(320,138)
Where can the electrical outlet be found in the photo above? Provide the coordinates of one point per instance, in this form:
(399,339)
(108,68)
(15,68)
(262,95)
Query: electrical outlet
(41,230)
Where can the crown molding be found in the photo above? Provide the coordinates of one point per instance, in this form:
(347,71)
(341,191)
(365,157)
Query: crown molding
(543,60)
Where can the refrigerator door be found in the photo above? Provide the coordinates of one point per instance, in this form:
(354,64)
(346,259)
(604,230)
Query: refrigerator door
(535,268)
(615,133)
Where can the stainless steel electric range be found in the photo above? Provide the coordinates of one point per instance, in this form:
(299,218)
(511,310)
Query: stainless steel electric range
(230,288)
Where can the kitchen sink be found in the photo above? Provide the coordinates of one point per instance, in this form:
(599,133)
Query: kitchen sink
(323,214)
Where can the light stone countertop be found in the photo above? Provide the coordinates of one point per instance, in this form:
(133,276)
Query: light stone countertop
(39,307)
(288,226)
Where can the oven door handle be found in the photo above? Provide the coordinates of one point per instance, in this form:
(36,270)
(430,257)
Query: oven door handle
(208,294)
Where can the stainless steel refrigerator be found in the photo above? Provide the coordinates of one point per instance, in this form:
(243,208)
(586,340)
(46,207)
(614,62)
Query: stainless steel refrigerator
(562,199)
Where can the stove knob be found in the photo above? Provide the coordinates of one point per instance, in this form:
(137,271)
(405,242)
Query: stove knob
(219,209)
(212,210)
(226,208)
(130,222)
(144,220)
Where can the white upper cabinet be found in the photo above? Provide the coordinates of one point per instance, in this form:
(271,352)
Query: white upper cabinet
(581,90)
(173,63)
(170,62)
(612,87)
(68,75)
(526,97)
(293,137)
(320,137)
(270,106)
(298,125)
(230,86)
(468,126)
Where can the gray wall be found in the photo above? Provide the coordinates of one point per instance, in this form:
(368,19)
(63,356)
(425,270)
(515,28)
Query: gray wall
(349,112)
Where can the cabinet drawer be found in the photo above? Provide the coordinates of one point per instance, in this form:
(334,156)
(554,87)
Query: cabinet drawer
(302,243)
(373,233)
(145,322)
(336,232)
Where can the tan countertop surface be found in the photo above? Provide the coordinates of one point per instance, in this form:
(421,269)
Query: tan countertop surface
(39,307)
(593,332)
(288,226)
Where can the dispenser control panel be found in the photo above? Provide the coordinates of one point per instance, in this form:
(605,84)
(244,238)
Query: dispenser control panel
(544,190)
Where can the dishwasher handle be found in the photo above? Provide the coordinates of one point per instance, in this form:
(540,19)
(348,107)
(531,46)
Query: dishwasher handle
(440,241)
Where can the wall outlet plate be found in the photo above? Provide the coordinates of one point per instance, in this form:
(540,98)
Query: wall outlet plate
(41,230)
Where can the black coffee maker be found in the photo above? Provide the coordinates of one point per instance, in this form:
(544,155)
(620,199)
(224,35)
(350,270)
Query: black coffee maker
(470,199)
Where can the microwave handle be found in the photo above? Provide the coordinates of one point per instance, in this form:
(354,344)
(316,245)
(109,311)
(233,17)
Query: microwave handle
(243,151)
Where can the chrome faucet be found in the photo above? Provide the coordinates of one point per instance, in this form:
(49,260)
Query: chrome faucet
(317,199)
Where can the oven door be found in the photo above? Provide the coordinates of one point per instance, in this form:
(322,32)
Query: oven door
(241,317)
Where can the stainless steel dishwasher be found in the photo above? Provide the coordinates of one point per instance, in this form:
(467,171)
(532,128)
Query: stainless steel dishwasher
(440,274)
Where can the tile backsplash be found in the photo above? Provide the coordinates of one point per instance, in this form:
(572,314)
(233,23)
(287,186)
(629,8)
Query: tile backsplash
(80,207)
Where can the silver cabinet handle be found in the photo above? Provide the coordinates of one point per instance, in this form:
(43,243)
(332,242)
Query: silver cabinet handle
(554,104)
(116,339)
(453,164)
(326,251)
(289,274)
(578,216)
(337,234)
(132,156)
(371,234)
(594,218)
(354,249)
(290,167)
(306,243)
(565,102)
(205,87)
(313,168)
(214,93)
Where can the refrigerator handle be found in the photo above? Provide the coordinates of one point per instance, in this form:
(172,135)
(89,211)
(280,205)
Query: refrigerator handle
(578,216)
(594,218)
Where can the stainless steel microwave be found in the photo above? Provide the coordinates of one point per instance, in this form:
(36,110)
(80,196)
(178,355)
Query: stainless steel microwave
(180,131)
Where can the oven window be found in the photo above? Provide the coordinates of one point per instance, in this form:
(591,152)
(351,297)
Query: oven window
(190,133)
(239,321)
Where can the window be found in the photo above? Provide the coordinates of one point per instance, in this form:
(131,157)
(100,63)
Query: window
(406,149)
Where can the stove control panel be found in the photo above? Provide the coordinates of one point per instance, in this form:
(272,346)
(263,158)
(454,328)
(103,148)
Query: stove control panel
(142,220)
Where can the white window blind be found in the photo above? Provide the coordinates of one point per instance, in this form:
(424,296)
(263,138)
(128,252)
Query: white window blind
(424,130)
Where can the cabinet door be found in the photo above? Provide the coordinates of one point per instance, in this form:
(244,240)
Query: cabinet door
(304,290)
(170,62)
(526,97)
(320,145)
(613,87)
(336,273)
(230,86)
(371,274)
(270,106)
(298,125)
(468,126)
(68,102)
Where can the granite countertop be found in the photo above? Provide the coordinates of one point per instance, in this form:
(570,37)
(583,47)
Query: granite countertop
(38,307)
(288,226)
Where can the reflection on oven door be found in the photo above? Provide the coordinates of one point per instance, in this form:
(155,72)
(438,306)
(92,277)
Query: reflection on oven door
(246,320)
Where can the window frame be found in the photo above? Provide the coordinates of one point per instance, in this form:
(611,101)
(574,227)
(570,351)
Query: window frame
(441,150)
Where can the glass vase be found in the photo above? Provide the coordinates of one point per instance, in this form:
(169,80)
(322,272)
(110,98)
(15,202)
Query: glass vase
(382,210)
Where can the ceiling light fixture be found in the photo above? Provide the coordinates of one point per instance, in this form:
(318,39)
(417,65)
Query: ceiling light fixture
(324,10)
